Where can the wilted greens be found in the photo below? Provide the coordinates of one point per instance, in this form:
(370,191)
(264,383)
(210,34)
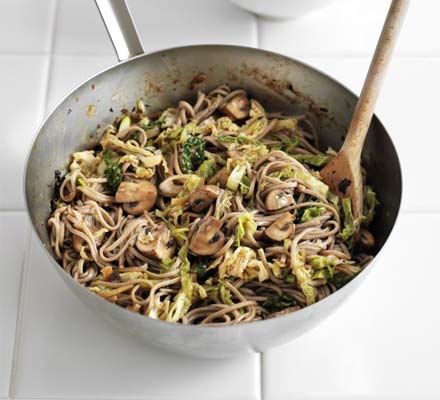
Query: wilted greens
(209,212)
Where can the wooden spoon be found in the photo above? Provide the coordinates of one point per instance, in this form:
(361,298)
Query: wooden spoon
(343,174)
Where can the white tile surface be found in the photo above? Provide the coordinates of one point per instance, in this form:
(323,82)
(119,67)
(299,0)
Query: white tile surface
(383,343)
(352,27)
(79,28)
(13,241)
(26,26)
(22,83)
(198,22)
(79,69)
(66,352)
(406,106)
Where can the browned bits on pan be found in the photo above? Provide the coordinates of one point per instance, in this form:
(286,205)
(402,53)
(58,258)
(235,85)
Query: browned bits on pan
(208,238)
(197,80)
(91,110)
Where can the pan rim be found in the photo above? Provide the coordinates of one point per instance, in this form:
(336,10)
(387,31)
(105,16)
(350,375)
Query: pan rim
(247,325)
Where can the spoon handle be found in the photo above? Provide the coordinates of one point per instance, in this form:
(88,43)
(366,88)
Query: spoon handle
(373,82)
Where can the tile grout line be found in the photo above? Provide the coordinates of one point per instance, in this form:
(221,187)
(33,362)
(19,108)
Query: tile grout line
(258,27)
(261,376)
(51,53)
(18,322)
(28,237)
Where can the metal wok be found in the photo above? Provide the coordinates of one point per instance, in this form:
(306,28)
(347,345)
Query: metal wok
(161,79)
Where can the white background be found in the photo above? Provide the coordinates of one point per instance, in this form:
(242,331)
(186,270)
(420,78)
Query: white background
(383,344)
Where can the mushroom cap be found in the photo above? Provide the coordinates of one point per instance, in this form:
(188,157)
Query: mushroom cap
(156,242)
(237,108)
(201,198)
(172,186)
(282,228)
(220,178)
(136,197)
(278,198)
(207,238)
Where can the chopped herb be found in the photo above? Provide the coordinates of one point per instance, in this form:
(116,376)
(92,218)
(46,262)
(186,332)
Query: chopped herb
(199,267)
(192,154)
(113,171)
(279,302)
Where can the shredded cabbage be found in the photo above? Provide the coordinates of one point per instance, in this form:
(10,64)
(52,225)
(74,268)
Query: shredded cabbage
(224,206)
(236,176)
(290,124)
(125,123)
(350,225)
(182,301)
(128,276)
(312,212)
(245,226)
(313,159)
(86,162)
(207,169)
(242,263)
(370,205)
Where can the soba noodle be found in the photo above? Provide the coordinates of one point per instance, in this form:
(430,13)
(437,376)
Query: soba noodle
(212,213)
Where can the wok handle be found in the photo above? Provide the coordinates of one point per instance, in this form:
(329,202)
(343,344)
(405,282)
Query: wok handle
(120,27)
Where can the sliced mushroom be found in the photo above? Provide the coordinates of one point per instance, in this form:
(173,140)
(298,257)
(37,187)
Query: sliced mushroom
(278,198)
(207,238)
(201,198)
(172,186)
(237,108)
(366,238)
(156,242)
(282,228)
(136,197)
(220,178)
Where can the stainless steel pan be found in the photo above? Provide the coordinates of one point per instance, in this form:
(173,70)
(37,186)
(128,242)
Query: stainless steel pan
(161,79)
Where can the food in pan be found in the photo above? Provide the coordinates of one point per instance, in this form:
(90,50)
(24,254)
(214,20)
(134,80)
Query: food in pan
(212,213)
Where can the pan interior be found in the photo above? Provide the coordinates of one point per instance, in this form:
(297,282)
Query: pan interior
(163,78)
